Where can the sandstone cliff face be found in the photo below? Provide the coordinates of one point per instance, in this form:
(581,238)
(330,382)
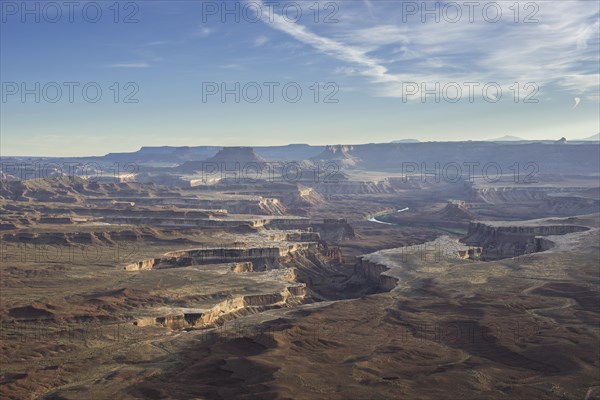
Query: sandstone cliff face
(227,159)
(334,231)
(242,267)
(227,310)
(226,307)
(294,256)
(303,237)
(172,321)
(357,187)
(309,196)
(500,242)
(187,222)
(236,155)
(547,200)
(269,206)
(141,265)
(455,211)
(374,272)
(236,205)
(328,229)
(509,195)
(340,154)
(297,290)
(298,198)
(233,308)
(260,257)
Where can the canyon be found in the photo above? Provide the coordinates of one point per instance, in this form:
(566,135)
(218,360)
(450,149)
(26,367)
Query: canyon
(190,275)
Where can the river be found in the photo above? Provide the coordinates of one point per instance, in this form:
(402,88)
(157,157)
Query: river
(374,219)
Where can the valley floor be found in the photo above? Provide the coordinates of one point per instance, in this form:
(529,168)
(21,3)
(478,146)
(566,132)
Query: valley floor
(136,291)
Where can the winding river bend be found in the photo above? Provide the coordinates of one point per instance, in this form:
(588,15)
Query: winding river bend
(374,218)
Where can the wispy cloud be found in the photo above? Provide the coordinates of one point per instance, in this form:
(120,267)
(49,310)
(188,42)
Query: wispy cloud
(202,32)
(235,67)
(560,50)
(369,6)
(260,40)
(332,47)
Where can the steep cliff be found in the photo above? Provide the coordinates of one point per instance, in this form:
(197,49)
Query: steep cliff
(502,240)
(227,310)
(261,257)
(375,272)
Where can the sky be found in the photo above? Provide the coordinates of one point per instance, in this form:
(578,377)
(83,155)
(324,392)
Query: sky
(98,77)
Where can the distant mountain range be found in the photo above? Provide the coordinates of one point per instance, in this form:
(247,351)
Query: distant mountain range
(406,141)
(196,153)
(595,137)
(170,162)
(507,138)
(510,138)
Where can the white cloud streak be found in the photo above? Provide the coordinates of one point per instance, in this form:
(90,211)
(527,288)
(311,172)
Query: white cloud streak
(561,50)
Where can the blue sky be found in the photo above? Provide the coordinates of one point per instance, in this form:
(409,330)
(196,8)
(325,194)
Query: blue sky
(372,50)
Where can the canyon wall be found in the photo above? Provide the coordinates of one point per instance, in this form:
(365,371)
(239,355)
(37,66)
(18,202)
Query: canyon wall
(374,273)
(260,257)
(507,241)
(227,310)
